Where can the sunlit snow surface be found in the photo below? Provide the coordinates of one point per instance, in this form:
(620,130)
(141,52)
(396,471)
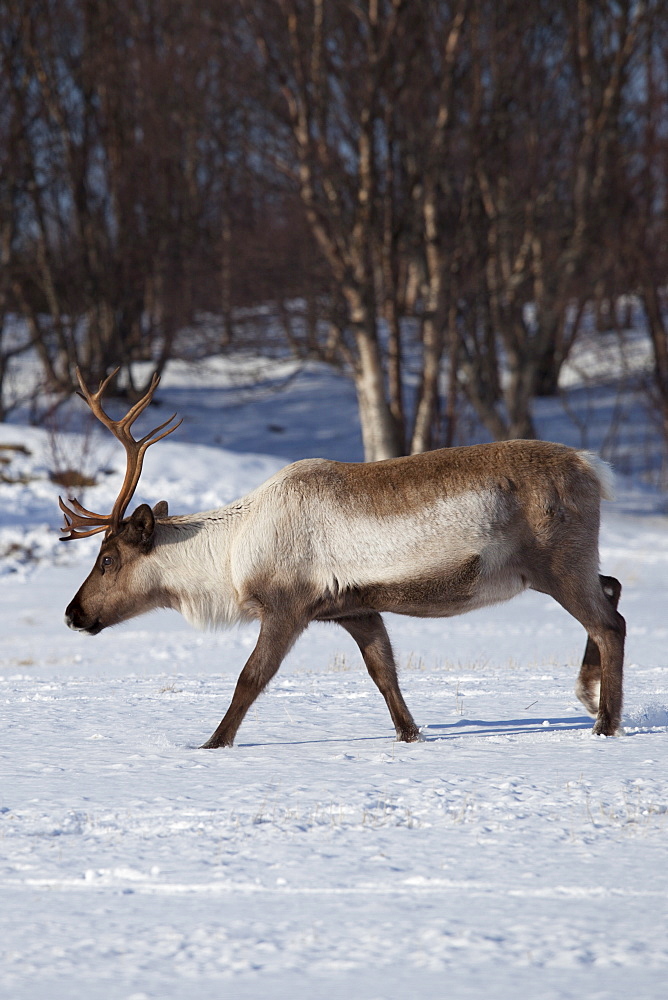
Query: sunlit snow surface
(508,854)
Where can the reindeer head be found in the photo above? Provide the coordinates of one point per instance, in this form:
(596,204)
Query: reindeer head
(107,596)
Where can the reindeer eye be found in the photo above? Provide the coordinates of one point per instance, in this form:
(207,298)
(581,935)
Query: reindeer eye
(106,561)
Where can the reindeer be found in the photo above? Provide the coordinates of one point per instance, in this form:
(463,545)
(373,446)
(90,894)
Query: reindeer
(431,535)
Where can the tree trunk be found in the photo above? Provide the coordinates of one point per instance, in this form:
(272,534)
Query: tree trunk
(519,394)
(376,420)
(432,339)
(649,295)
(394,373)
(226,272)
(377,424)
(548,366)
(432,342)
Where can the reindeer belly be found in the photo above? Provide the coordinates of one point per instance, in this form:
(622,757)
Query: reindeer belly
(449,592)
(464,588)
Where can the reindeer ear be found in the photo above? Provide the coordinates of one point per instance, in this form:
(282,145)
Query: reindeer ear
(140,527)
(161,509)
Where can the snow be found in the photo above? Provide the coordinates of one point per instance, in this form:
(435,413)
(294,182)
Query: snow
(509,853)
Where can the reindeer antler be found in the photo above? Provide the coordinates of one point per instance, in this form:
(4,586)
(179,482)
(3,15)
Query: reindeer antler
(76,516)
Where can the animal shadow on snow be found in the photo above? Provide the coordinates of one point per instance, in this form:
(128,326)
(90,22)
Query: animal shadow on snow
(506,727)
(452,730)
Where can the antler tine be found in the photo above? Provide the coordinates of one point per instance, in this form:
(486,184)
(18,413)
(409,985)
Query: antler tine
(77,517)
(79,509)
(120,428)
(93,398)
(146,443)
(135,450)
(128,420)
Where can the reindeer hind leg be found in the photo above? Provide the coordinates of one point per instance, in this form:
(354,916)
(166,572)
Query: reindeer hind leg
(586,599)
(588,684)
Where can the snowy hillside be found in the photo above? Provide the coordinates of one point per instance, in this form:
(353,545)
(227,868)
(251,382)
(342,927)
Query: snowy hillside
(509,854)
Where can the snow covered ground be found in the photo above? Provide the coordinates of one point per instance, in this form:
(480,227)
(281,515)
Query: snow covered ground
(509,854)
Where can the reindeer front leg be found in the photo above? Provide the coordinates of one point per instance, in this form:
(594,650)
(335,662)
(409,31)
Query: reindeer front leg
(276,637)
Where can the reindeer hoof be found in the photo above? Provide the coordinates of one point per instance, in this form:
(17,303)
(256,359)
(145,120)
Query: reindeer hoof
(409,735)
(606,727)
(214,744)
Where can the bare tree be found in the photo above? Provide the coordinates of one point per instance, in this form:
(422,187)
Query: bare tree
(363,121)
(329,63)
(423,192)
(115,110)
(645,253)
(547,92)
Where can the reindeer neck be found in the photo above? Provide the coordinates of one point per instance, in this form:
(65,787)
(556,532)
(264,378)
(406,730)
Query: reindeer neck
(190,564)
